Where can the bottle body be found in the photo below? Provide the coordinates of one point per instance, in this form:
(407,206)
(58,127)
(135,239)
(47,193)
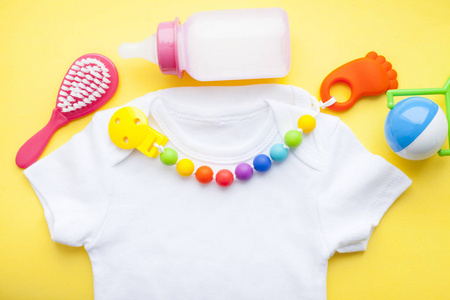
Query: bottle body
(220,45)
(236,44)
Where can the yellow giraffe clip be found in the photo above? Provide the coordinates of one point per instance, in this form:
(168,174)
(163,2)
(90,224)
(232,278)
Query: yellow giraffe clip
(128,129)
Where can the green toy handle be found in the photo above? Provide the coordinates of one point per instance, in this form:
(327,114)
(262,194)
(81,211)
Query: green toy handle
(416,92)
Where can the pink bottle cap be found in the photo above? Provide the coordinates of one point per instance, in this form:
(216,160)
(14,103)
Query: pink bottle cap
(167,47)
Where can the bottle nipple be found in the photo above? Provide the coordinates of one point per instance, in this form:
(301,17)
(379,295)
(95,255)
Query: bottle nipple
(145,49)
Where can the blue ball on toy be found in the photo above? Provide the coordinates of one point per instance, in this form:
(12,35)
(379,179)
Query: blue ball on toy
(416,128)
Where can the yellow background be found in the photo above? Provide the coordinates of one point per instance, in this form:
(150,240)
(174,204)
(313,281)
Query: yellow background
(408,255)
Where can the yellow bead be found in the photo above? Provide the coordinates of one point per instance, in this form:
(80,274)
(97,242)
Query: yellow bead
(306,123)
(185,167)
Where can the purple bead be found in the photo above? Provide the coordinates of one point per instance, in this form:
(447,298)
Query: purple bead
(243,171)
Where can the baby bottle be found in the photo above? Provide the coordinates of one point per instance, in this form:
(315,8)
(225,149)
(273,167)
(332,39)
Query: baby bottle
(220,45)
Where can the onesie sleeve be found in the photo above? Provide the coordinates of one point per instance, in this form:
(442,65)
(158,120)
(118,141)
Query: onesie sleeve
(72,184)
(357,187)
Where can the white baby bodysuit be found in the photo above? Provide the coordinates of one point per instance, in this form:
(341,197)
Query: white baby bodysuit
(152,234)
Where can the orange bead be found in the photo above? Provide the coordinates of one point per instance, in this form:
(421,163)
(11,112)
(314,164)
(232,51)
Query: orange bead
(204,174)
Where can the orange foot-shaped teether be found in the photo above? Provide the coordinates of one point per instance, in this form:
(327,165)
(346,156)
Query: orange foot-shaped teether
(368,76)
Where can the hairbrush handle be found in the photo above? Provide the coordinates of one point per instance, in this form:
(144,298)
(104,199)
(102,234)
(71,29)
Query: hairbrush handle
(33,148)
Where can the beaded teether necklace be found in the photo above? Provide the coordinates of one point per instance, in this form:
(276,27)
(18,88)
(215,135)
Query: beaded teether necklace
(128,129)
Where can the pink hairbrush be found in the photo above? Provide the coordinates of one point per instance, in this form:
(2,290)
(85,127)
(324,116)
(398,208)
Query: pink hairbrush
(90,82)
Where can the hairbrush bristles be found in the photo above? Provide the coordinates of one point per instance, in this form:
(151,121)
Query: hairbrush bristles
(86,81)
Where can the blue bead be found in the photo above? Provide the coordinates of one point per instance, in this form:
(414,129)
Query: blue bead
(278,152)
(262,163)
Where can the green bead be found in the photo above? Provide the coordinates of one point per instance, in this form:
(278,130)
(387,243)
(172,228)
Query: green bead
(293,138)
(169,157)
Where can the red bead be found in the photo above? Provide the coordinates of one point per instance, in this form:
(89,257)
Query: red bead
(204,174)
(224,177)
